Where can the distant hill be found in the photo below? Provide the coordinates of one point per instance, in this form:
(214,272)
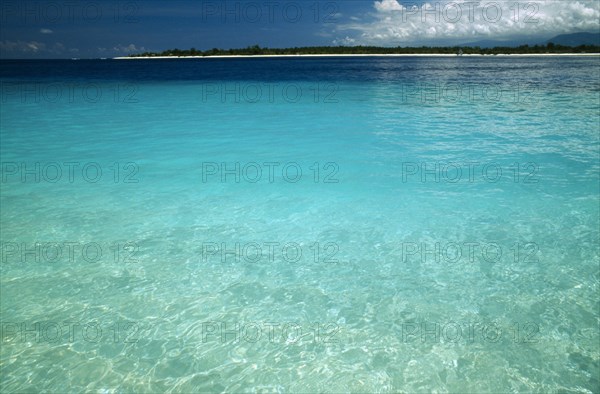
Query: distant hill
(576,39)
(572,40)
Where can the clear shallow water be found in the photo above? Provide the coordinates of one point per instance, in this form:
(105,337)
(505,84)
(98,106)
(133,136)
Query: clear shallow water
(379,269)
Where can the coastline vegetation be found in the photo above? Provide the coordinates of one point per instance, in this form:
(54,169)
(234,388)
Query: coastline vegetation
(373,50)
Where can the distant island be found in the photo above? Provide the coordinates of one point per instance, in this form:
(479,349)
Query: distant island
(256,50)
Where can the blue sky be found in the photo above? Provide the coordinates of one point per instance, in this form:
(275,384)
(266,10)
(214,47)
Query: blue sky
(97,28)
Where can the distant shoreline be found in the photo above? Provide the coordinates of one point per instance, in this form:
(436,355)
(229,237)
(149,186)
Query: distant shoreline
(355,55)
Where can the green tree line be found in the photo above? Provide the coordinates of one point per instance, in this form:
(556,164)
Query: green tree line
(372,50)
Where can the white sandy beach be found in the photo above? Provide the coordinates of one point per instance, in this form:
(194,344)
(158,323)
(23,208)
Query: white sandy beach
(353,55)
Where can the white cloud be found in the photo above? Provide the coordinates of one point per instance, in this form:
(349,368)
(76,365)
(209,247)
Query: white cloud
(31,47)
(131,48)
(34,46)
(46,31)
(346,41)
(395,22)
(388,5)
(22,46)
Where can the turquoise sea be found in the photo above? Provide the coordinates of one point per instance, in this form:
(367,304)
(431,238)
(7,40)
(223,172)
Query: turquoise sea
(300,225)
